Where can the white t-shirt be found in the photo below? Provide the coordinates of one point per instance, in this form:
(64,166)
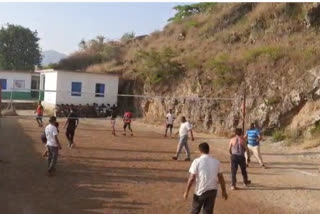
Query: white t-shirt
(184,128)
(51,131)
(170,118)
(206,169)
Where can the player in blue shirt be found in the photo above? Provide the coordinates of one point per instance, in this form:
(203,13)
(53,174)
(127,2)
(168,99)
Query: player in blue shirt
(253,136)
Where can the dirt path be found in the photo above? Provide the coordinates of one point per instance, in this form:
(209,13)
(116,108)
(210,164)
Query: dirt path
(119,175)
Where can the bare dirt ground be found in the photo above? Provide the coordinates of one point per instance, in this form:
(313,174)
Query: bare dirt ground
(120,175)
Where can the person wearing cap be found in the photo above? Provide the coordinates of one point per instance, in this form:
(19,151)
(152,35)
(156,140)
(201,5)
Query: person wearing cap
(53,145)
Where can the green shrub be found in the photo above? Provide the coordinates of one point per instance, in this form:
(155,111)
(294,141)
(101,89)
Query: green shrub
(184,11)
(126,37)
(190,24)
(272,52)
(156,67)
(223,71)
(278,135)
(316,128)
(274,100)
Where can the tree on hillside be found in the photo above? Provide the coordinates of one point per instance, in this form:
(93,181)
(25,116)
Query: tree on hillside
(184,11)
(19,48)
(83,44)
(127,36)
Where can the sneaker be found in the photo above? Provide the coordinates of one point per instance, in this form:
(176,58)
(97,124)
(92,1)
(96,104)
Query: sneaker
(187,159)
(233,188)
(174,158)
(263,166)
(247,183)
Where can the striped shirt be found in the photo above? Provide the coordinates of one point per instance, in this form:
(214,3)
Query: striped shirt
(253,135)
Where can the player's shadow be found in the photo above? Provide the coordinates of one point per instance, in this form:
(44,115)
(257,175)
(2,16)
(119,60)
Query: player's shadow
(292,154)
(124,150)
(278,188)
(126,159)
(74,189)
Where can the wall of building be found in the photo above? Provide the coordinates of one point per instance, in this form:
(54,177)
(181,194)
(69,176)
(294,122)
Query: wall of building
(12,91)
(88,81)
(50,83)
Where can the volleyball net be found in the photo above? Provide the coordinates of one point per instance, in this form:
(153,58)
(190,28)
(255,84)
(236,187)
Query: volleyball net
(23,103)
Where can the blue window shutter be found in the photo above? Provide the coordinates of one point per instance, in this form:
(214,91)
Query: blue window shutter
(3,84)
(100,90)
(76,88)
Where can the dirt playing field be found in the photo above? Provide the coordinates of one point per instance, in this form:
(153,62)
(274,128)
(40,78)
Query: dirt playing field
(119,175)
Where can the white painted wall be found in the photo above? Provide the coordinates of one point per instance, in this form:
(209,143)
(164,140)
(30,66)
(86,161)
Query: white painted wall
(61,81)
(10,76)
(88,81)
(50,83)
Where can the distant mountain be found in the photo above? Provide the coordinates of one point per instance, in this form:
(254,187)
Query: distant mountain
(51,56)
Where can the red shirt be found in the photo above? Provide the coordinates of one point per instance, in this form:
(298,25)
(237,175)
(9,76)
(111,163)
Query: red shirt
(40,110)
(127,117)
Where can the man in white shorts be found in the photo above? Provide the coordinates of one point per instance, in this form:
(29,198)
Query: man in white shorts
(169,123)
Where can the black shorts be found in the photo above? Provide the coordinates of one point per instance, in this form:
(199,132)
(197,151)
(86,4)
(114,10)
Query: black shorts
(169,126)
(127,124)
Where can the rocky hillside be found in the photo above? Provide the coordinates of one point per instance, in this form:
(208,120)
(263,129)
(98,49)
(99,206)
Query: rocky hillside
(270,51)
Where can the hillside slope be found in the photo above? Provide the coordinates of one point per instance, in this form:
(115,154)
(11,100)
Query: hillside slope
(269,50)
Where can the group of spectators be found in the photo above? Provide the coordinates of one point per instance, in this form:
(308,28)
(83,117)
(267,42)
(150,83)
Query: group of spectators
(90,111)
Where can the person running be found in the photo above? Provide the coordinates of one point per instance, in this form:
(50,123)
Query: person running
(184,130)
(53,145)
(44,140)
(127,122)
(205,171)
(237,148)
(169,123)
(253,136)
(113,121)
(39,112)
(71,123)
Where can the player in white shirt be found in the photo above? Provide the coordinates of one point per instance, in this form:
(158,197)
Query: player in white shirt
(184,130)
(169,123)
(205,171)
(53,145)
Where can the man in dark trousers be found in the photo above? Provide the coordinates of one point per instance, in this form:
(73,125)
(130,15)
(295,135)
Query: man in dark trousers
(206,173)
(71,123)
(237,148)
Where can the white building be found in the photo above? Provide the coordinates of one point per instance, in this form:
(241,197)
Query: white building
(19,84)
(68,87)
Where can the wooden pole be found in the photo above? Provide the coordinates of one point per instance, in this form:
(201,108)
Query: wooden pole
(244,111)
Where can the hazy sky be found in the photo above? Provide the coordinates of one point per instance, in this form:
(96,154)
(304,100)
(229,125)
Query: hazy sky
(61,26)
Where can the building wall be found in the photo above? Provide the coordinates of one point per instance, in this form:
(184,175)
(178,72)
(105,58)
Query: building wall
(88,81)
(50,83)
(18,93)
